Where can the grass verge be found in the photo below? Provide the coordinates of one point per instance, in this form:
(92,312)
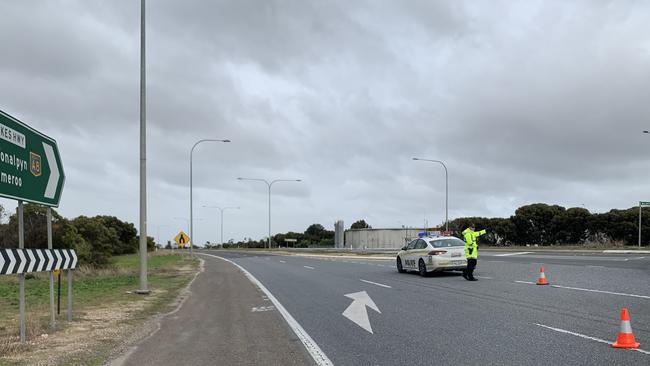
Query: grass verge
(106,311)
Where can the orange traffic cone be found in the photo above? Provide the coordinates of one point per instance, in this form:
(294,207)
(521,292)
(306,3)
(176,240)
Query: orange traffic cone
(542,277)
(625,337)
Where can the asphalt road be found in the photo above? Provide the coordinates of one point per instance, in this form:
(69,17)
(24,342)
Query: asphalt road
(502,319)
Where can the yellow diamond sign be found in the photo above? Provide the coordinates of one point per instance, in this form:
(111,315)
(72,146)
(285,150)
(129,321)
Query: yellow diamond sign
(182,239)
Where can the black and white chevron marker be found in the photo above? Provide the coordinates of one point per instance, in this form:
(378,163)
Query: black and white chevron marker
(17,261)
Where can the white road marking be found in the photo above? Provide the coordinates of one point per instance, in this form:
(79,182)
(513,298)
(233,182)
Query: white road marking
(602,292)
(314,350)
(510,254)
(590,290)
(259,309)
(487,278)
(309,267)
(374,283)
(283,262)
(586,337)
(357,312)
(637,258)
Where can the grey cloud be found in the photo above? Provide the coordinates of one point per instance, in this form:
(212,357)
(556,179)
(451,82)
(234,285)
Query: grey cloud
(524,101)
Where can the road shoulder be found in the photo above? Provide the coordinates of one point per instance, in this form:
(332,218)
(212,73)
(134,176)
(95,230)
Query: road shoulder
(225,321)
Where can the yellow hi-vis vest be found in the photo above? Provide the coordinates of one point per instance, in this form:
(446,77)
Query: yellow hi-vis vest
(471,248)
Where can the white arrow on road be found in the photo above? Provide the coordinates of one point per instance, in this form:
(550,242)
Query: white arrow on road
(53,181)
(357,310)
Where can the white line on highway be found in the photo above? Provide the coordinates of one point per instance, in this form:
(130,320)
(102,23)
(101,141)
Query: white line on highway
(602,292)
(314,350)
(375,283)
(283,262)
(511,254)
(637,258)
(487,278)
(586,337)
(590,290)
(309,267)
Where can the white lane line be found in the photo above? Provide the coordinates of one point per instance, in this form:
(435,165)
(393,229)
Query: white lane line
(375,283)
(590,290)
(511,254)
(637,258)
(586,337)
(283,262)
(602,292)
(309,267)
(381,265)
(487,278)
(314,350)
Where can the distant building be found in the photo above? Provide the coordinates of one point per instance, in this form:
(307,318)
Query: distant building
(339,234)
(383,238)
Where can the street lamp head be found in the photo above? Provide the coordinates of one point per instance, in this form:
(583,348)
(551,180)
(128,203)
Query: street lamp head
(298,180)
(645,131)
(239,178)
(225,140)
(416,159)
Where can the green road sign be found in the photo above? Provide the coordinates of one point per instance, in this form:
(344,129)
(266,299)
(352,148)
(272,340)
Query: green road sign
(30,165)
(644,204)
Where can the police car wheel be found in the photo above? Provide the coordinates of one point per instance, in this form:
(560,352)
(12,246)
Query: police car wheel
(422,268)
(400,269)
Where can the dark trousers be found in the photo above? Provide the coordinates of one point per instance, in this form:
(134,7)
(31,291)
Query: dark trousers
(471,264)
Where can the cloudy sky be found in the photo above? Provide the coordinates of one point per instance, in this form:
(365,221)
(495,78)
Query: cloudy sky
(525,101)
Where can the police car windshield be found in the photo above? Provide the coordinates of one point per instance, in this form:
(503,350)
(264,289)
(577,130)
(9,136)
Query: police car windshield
(446,243)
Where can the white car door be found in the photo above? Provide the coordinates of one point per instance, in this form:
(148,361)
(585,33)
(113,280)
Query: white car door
(408,257)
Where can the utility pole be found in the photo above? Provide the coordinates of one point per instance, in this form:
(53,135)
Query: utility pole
(144,288)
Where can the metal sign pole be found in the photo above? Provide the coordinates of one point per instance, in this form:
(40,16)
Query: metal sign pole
(639,224)
(49,246)
(21,245)
(69,295)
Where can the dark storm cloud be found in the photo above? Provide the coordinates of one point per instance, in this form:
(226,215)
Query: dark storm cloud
(525,101)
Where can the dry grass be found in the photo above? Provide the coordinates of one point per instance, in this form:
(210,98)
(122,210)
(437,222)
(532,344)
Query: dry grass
(106,310)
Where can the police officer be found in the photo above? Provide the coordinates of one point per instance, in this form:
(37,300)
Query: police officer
(471,251)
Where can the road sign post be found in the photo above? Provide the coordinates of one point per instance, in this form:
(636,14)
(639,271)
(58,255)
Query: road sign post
(51,276)
(30,170)
(21,245)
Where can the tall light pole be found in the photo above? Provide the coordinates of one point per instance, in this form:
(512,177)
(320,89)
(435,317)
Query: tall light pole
(143,288)
(191,198)
(187,221)
(645,131)
(269,184)
(222,209)
(158,232)
(446,189)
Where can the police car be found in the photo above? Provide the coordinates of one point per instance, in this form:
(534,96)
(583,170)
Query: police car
(432,254)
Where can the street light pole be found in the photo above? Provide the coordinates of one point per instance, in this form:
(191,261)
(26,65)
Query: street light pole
(143,288)
(222,209)
(158,232)
(446,189)
(191,198)
(269,185)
